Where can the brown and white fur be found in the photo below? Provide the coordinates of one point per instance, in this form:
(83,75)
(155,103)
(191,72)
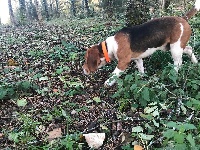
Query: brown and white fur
(135,43)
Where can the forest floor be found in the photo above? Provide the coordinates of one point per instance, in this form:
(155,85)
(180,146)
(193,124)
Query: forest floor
(47,102)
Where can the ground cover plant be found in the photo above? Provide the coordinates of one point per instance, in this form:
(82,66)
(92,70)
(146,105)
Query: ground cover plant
(47,103)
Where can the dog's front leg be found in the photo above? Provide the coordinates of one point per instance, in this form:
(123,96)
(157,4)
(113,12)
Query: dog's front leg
(116,73)
(121,67)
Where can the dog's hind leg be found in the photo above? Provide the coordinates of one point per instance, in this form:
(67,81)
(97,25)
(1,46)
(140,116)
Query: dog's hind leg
(177,53)
(188,51)
(139,65)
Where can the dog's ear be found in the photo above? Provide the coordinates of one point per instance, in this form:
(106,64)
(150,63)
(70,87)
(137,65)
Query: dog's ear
(93,59)
(85,48)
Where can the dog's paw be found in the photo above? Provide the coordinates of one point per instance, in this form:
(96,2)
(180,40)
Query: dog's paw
(106,84)
(109,82)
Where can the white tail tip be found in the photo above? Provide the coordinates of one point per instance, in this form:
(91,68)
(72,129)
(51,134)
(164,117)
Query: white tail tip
(197,5)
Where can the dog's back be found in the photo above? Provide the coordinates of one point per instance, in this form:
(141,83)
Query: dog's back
(155,33)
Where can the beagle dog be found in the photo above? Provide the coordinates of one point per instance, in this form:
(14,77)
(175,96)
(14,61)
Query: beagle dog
(134,43)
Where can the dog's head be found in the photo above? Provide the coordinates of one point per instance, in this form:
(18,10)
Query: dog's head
(93,60)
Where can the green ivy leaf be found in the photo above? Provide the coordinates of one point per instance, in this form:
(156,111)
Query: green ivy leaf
(14,137)
(198,96)
(75,84)
(149,116)
(43,78)
(146,137)
(3,93)
(181,146)
(26,85)
(191,140)
(189,126)
(59,71)
(169,133)
(150,109)
(179,138)
(21,102)
(145,94)
(137,129)
(64,113)
(173,75)
(133,86)
(155,113)
(156,124)
(172,124)
(184,110)
(97,99)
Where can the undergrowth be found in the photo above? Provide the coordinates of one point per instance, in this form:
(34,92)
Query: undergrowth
(43,91)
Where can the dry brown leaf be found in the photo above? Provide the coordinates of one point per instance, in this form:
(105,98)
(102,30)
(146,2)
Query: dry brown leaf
(125,138)
(1,135)
(138,147)
(56,133)
(55,90)
(12,62)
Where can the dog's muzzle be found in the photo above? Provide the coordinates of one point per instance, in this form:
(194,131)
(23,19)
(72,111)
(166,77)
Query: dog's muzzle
(85,71)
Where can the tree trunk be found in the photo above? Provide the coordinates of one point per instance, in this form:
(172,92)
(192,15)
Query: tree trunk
(73,7)
(108,6)
(28,11)
(83,5)
(22,8)
(87,7)
(57,8)
(45,5)
(12,17)
(137,12)
(51,11)
(165,4)
(39,14)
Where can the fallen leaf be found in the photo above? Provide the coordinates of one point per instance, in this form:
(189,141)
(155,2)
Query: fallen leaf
(145,136)
(73,112)
(125,138)
(1,135)
(55,90)
(43,78)
(12,62)
(56,133)
(119,126)
(21,102)
(137,129)
(138,147)
(97,99)
(95,140)
(103,127)
(40,129)
(10,67)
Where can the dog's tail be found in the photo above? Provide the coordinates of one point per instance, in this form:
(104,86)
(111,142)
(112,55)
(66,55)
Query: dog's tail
(192,11)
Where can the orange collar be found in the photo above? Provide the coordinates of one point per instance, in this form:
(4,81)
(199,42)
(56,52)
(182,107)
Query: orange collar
(105,52)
